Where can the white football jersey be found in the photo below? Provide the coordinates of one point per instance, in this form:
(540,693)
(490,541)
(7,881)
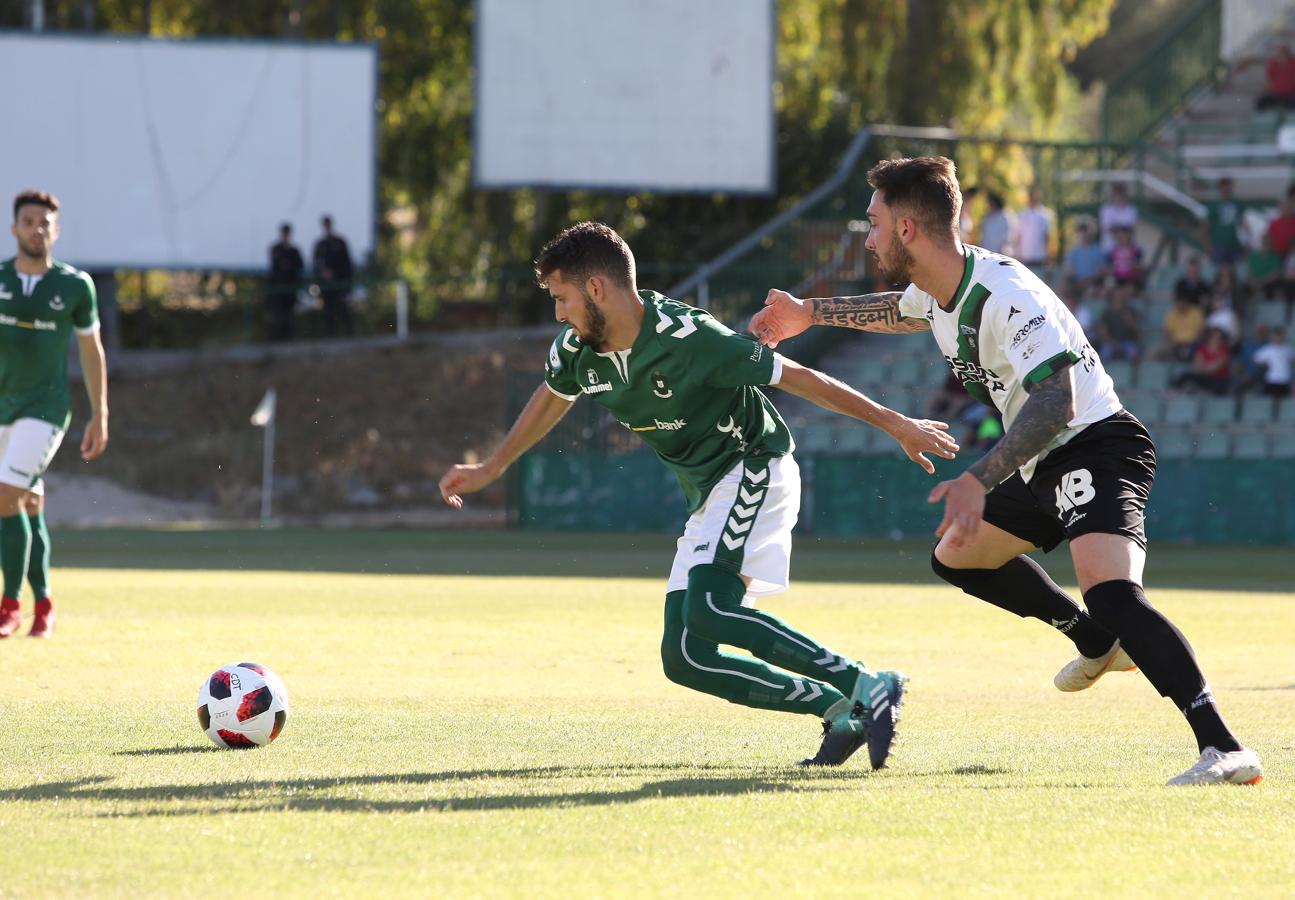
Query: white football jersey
(1004,333)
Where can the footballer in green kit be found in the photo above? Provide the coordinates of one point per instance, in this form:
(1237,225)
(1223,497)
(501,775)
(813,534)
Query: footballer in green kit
(691,388)
(42,302)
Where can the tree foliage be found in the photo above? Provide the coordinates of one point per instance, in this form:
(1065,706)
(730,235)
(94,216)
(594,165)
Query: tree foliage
(984,66)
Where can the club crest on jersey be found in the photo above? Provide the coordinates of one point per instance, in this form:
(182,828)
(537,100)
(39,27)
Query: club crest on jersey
(659,387)
(4,294)
(594,386)
(57,303)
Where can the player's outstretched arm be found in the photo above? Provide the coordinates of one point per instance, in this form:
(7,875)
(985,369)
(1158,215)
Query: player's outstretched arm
(785,316)
(95,371)
(917,436)
(1050,406)
(542,412)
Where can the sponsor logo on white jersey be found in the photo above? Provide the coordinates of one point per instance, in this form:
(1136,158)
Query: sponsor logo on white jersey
(1024,331)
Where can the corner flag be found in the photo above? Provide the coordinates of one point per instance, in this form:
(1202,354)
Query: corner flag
(264,414)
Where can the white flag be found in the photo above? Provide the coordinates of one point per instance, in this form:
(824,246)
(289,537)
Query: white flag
(264,414)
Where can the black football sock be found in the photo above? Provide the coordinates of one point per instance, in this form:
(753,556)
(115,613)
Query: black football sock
(1022,587)
(1164,656)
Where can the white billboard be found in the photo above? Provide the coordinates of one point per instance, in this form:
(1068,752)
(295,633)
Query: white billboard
(189,154)
(672,95)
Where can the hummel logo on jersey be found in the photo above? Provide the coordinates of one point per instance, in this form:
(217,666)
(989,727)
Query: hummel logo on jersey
(57,303)
(1011,311)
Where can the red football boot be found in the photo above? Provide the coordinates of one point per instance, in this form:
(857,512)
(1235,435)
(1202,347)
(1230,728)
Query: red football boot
(10,617)
(43,625)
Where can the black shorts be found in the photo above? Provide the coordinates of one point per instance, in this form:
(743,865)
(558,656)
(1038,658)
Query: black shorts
(1097,483)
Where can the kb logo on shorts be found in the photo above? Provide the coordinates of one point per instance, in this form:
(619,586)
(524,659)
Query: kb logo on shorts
(1075,489)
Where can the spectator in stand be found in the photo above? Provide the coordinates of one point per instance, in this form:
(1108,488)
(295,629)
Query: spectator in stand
(1281,230)
(1193,287)
(1222,228)
(1280,81)
(1288,281)
(1223,318)
(1228,289)
(1183,327)
(997,229)
(1125,259)
(1276,357)
(1263,270)
(966,221)
(1117,212)
(1211,365)
(1072,296)
(1247,371)
(1033,232)
(1119,331)
(1086,261)
(284,280)
(333,271)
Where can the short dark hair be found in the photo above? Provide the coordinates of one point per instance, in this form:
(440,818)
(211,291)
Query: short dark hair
(926,187)
(584,250)
(327,220)
(38,198)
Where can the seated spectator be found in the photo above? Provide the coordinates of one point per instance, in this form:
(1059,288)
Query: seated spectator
(1223,228)
(1223,318)
(1125,259)
(1276,357)
(1288,281)
(1086,261)
(1211,365)
(998,227)
(1193,287)
(1279,87)
(1033,232)
(1281,230)
(1080,307)
(1118,212)
(1119,331)
(1227,288)
(1263,270)
(1184,326)
(949,400)
(1247,371)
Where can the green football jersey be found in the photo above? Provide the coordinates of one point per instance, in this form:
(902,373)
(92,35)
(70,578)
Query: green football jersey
(36,323)
(688,386)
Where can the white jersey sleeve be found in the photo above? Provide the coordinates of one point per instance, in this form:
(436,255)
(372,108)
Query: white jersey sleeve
(913,304)
(1032,336)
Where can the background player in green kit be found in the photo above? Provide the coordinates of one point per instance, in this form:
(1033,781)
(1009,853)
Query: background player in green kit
(690,388)
(42,301)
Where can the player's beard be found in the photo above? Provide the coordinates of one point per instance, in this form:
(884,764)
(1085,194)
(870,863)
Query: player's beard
(30,251)
(899,268)
(595,330)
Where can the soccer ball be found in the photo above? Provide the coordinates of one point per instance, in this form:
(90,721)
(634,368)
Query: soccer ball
(242,705)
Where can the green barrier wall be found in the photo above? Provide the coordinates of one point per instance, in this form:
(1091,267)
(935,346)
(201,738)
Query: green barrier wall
(1194,501)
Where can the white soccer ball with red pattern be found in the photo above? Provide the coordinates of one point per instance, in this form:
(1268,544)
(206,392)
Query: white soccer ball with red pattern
(242,705)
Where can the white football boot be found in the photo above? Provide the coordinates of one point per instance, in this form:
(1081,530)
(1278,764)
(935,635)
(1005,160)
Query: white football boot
(1215,767)
(1082,673)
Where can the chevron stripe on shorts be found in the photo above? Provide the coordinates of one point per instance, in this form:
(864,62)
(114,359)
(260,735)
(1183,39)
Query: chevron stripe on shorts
(741,515)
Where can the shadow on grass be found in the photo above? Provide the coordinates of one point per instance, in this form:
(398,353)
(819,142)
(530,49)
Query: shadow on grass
(316,794)
(604,555)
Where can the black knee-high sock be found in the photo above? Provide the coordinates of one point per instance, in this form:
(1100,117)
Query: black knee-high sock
(1164,656)
(1022,587)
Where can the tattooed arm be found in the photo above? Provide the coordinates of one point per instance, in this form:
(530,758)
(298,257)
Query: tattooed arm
(869,312)
(785,316)
(1047,410)
(1050,406)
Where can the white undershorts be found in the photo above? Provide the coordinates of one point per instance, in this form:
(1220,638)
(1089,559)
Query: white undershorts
(26,448)
(746,522)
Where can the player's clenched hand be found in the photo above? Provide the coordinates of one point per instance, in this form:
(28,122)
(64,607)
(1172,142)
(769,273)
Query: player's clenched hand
(783,317)
(964,507)
(95,439)
(921,436)
(464,479)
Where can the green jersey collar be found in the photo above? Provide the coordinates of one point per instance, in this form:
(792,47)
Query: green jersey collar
(958,295)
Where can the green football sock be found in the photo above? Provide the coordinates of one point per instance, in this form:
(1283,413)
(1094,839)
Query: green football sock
(38,563)
(714,611)
(699,664)
(15,546)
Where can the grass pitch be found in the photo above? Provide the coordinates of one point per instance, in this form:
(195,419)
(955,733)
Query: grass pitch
(482,714)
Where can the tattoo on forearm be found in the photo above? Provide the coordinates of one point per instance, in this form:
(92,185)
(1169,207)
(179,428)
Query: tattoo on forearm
(1049,407)
(869,312)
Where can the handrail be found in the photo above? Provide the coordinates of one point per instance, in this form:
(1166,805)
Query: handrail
(1148,181)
